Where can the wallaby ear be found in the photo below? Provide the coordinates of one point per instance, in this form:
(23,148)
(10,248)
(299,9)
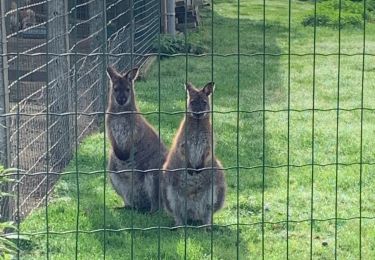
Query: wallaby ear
(189,87)
(113,74)
(209,88)
(132,74)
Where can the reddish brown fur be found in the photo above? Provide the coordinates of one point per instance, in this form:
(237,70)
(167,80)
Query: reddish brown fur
(135,146)
(192,148)
(25,18)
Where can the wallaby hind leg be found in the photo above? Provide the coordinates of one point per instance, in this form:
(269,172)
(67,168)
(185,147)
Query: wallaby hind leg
(179,220)
(117,183)
(152,186)
(207,216)
(220,197)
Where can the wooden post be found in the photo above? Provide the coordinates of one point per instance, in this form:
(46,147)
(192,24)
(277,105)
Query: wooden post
(58,85)
(164,16)
(70,77)
(171,17)
(66,23)
(6,210)
(97,46)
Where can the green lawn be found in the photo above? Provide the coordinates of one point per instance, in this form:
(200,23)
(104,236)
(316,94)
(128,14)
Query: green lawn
(258,198)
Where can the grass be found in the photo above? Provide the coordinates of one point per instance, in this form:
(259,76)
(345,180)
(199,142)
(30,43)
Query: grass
(262,192)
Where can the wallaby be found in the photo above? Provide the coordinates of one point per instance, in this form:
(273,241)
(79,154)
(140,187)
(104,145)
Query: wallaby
(25,18)
(13,20)
(135,156)
(192,150)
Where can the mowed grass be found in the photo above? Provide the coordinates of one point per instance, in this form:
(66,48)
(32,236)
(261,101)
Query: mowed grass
(263,188)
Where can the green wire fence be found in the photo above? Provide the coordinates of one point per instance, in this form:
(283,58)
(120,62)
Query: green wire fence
(54,94)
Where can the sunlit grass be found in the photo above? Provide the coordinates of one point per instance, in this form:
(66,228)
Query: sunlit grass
(255,182)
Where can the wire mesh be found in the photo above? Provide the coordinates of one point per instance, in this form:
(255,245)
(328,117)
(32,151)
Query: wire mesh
(55,30)
(57,55)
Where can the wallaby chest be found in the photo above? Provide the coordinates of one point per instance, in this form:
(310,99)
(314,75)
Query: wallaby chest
(197,147)
(123,129)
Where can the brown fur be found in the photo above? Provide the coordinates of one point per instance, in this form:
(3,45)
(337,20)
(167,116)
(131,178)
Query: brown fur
(25,18)
(135,145)
(192,148)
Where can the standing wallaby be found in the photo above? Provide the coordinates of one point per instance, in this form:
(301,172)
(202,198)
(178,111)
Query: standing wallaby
(135,146)
(13,19)
(24,19)
(192,149)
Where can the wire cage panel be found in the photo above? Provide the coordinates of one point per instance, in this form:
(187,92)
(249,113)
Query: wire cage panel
(54,63)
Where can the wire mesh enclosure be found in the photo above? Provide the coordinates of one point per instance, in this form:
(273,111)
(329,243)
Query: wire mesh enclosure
(39,35)
(292,113)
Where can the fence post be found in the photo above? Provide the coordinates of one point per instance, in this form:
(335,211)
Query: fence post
(70,77)
(58,85)
(171,17)
(96,28)
(4,109)
(164,16)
